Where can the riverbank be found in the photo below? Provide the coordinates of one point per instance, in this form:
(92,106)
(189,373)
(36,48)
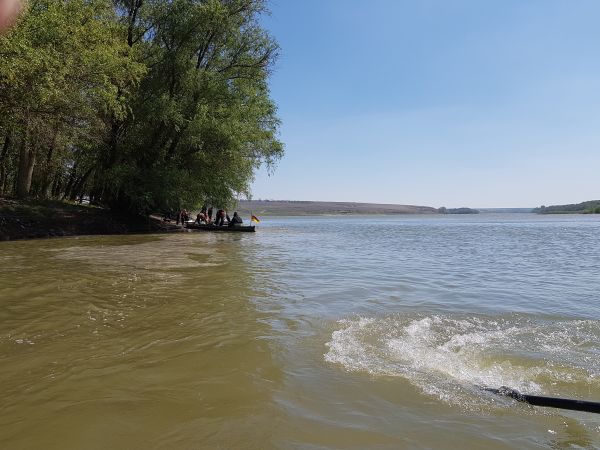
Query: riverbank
(32,219)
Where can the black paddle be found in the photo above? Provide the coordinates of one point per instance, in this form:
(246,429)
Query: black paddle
(552,402)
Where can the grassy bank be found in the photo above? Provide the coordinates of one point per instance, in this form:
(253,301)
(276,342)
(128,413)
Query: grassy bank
(29,219)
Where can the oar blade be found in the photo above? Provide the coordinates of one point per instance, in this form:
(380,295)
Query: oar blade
(549,402)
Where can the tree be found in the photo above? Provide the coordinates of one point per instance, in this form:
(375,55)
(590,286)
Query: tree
(62,65)
(139,104)
(202,120)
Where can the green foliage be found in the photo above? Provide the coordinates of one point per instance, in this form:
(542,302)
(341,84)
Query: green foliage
(589,207)
(61,69)
(139,104)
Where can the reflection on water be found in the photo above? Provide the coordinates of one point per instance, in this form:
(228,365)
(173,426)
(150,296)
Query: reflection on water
(312,333)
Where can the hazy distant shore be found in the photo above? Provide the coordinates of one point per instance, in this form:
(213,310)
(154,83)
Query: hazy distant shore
(308,208)
(587,207)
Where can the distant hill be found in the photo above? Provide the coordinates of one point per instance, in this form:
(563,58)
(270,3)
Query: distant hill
(305,208)
(589,207)
(463,210)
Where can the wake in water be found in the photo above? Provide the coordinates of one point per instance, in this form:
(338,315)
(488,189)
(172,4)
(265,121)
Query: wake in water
(451,356)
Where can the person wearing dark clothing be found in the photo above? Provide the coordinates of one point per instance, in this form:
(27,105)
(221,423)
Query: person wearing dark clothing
(210,210)
(183,217)
(235,220)
(220,218)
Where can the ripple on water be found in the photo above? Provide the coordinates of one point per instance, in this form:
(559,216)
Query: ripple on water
(166,253)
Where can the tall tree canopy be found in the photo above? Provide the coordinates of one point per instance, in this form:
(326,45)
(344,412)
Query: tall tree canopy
(138,104)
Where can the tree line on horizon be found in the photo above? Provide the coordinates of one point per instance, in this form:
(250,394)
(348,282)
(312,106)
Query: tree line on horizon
(588,207)
(139,105)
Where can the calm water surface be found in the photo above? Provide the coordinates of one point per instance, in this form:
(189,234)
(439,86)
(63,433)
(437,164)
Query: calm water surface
(313,333)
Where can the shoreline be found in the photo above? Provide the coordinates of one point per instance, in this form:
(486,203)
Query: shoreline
(44,219)
(31,219)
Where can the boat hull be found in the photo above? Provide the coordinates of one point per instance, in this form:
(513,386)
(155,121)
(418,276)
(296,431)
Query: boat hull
(226,229)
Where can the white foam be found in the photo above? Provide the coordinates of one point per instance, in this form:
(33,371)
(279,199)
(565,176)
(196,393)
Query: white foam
(439,354)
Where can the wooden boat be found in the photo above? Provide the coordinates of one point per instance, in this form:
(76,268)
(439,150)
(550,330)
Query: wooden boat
(224,228)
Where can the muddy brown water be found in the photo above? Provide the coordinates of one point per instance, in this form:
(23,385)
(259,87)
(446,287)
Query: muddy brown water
(313,333)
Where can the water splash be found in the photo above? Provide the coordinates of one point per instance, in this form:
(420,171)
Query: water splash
(449,356)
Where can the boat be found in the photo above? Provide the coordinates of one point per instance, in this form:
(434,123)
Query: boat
(224,228)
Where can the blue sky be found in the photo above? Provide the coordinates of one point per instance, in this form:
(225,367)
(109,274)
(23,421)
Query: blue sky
(437,102)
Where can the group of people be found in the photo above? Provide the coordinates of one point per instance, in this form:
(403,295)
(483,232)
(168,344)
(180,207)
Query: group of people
(205,216)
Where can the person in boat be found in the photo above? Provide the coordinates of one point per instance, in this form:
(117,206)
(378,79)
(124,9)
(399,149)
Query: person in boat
(201,217)
(209,214)
(236,220)
(220,218)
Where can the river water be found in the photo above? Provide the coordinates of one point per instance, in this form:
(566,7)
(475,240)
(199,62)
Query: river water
(372,332)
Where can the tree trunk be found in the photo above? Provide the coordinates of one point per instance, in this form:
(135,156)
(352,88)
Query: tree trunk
(3,155)
(26,165)
(2,178)
(113,143)
(70,182)
(77,190)
(6,146)
(46,184)
(57,185)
